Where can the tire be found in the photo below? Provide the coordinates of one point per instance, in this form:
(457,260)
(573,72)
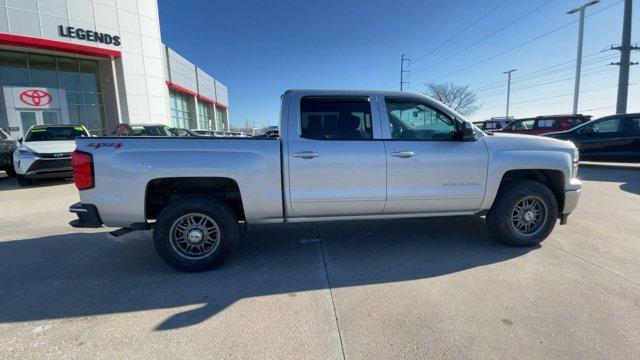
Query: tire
(528,226)
(11,172)
(190,247)
(23,181)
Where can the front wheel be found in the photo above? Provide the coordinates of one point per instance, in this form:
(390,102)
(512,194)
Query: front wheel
(196,234)
(23,181)
(523,214)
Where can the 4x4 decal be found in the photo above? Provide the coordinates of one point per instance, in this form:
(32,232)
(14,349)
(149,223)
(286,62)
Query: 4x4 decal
(105,145)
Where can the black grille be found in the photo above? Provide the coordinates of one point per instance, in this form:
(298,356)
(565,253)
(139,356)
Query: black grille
(50,165)
(54,155)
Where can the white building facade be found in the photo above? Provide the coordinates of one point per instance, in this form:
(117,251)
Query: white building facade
(98,63)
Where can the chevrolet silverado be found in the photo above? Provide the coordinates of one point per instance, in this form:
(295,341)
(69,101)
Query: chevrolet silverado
(340,155)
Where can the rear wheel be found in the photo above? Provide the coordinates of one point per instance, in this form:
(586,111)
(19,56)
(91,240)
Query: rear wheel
(23,181)
(523,214)
(196,234)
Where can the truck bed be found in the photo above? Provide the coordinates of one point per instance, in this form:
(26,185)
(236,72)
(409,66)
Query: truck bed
(124,167)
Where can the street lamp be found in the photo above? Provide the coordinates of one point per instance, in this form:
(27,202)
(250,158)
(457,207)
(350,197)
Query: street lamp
(508,72)
(580,9)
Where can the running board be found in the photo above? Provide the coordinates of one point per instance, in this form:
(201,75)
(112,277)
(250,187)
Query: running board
(130,228)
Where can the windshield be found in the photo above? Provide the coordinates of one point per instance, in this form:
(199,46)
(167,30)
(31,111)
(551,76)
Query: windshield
(56,133)
(151,131)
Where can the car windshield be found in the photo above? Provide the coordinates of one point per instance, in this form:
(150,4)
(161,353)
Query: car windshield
(151,131)
(56,133)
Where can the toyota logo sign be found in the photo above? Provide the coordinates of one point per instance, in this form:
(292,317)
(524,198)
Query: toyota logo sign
(35,97)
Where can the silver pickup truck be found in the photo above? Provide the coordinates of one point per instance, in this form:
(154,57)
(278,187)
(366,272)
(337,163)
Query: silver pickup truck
(340,155)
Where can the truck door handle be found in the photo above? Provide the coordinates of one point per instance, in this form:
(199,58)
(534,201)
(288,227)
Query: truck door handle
(403,153)
(306,154)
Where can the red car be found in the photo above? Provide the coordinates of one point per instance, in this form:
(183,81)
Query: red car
(545,124)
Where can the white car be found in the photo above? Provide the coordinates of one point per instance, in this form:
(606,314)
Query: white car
(45,152)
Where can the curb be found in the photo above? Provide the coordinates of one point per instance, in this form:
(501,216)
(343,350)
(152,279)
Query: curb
(619,166)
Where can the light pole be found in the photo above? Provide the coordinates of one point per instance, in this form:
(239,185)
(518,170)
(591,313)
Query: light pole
(508,72)
(576,90)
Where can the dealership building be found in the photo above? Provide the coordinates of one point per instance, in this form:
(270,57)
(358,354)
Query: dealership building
(99,63)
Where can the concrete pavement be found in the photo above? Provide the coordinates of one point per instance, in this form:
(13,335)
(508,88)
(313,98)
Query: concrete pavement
(430,288)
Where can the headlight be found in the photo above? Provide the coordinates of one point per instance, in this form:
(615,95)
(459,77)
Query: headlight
(576,159)
(25,151)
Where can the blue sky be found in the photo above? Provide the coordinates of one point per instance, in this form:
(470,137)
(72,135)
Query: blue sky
(259,49)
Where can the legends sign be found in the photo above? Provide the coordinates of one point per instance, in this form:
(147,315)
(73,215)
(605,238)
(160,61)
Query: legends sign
(88,35)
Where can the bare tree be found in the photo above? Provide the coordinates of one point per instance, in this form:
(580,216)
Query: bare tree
(458,97)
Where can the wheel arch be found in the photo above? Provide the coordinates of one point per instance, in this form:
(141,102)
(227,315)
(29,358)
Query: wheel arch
(160,192)
(552,178)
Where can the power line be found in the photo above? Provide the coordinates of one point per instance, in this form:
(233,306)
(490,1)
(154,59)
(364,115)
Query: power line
(461,31)
(548,82)
(484,38)
(556,96)
(548,70)
(523,44)
(541,76)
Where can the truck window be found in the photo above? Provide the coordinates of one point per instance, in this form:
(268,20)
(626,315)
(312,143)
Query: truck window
(336,119)
(409,120)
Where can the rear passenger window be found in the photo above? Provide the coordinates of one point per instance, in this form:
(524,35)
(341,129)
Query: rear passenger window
(336,119)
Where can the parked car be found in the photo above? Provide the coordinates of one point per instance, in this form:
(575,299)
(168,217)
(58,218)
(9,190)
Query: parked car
(45,152)
(200,132)
(341,155)
(611,138)
(545,124)
(7,147)
(142,130)
(493,124)
(183,132)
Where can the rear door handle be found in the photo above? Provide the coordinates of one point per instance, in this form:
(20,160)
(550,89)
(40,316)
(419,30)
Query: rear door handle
(403,153)
(306,154)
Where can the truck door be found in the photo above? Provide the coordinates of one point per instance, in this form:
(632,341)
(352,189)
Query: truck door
(336,158)
(427,169)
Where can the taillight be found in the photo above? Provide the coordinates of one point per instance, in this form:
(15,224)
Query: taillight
(82,163)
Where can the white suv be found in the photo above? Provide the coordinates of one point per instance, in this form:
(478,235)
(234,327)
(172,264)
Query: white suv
(45,152)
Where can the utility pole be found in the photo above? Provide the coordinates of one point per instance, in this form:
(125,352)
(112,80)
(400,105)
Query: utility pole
(625,60)
(403,59)
(576,90)
(508,72)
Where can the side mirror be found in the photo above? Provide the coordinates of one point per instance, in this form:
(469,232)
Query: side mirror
(591,131)
(467,133)
(20,140)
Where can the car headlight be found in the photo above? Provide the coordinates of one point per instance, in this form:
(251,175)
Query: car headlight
(575,159)
(25,151)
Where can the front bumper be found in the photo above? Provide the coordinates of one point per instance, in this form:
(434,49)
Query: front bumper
(43,166)
(88,216)
(571,198)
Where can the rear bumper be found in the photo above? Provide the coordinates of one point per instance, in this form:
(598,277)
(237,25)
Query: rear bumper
(88,216)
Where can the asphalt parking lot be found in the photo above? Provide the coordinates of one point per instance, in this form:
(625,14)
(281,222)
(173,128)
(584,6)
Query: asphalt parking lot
(430,288)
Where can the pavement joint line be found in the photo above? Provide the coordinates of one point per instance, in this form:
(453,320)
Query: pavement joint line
(595,264)
(333,303)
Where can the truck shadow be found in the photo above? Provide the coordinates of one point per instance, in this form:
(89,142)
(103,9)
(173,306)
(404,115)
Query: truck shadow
(84,274)
(10,183)
(629,178)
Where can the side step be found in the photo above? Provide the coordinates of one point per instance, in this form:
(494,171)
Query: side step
(131,228)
